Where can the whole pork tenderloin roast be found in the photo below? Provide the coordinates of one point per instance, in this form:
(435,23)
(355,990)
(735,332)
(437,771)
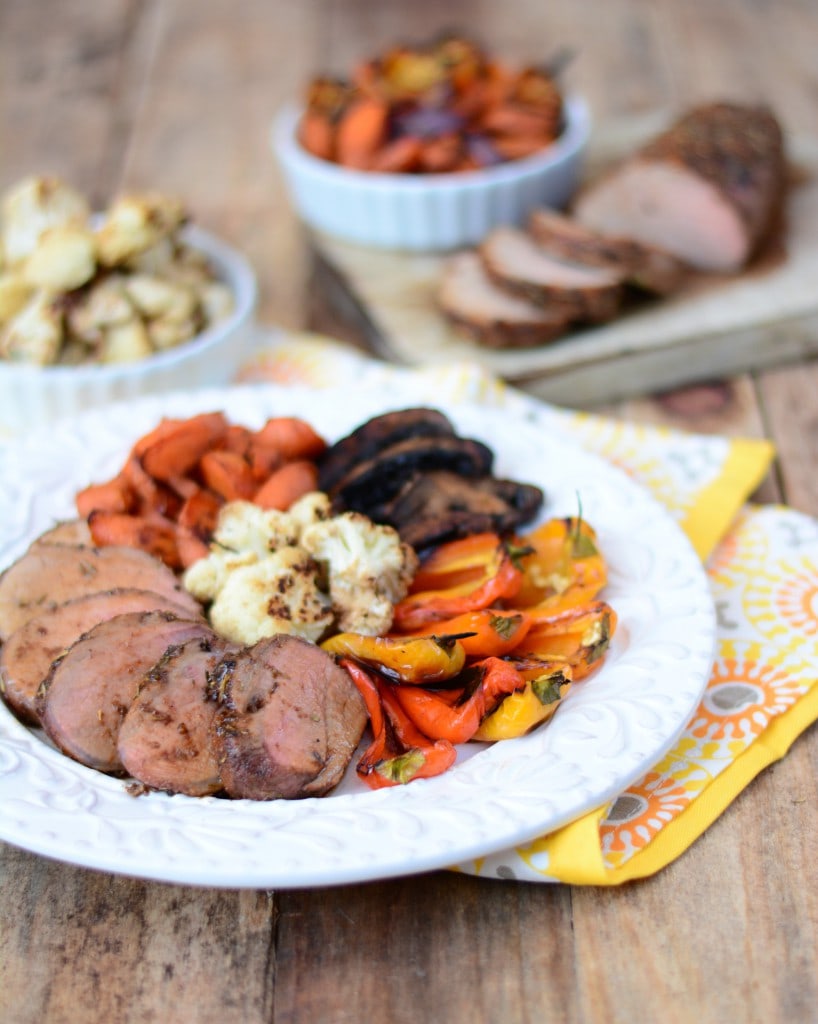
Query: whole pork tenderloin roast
(707,191)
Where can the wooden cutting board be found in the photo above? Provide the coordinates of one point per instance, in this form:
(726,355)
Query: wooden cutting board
(714,327)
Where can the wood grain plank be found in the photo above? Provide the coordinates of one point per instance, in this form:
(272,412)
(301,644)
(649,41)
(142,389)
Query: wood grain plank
(61,70)
(203,126)
(441,947)
(97,948)
(788,399)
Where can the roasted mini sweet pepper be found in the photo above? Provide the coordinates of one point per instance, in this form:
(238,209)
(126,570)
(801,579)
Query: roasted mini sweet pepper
(580,635)
(485,632)
(547,683)
(476,576)
(400,753)
(562,565)
(456,715)
(419,660)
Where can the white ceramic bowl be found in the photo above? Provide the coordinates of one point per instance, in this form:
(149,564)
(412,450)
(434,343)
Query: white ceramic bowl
(428,212)
(33,394)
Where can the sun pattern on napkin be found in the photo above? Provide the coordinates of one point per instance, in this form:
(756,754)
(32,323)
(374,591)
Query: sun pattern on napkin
(763,569)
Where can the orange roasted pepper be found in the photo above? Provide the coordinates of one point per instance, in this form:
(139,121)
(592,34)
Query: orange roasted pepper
(499,579)
(485,632)
(398,754)
(457,717)
(562,565)
(580,635)
(547,683)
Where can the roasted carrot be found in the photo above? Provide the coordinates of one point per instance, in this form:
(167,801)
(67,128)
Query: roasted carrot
(237,439)
(179,450)
(263,459)
(294,438)
(287,484)
(399,156)
(200,513)
(190,547)
(228,475)
(113,496)
(150,495)
(154,534)
(317,135)
(360,133)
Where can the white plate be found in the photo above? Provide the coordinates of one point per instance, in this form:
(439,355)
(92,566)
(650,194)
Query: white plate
(609,731)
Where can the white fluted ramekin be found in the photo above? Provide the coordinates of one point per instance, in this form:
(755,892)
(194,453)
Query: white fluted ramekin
(428,212)
(30,395)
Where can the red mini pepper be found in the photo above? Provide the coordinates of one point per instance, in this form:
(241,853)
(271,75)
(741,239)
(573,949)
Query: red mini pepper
(457,717)
(398,753)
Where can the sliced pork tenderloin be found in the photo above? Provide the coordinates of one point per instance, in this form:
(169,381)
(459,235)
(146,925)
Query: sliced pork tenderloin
(708,190)
(288,723)
(26,657)
(166,739)
(643,266)
(491,315)
(88,691)
(50,574)
(70,532)
(515,261)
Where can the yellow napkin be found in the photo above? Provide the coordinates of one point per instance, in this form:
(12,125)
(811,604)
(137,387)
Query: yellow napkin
(763,569)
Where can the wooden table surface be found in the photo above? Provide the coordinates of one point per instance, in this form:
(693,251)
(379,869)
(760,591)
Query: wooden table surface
(177,95)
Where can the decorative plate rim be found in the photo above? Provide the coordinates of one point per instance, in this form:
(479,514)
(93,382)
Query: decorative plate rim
(610,730)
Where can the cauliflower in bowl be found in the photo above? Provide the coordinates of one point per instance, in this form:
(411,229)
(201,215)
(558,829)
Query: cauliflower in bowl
(115,289)
(303,571)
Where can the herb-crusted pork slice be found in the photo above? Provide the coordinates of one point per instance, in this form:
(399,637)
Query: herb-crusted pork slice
(288,723)
(48,575)
(643,266)
(491,315)
(708,190)
(26,657)
(515,261)
(88,691)
(167,736)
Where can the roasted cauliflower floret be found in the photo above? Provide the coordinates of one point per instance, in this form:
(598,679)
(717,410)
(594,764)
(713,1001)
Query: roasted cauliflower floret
(205,578)
(300,571)
(243,526)
(103,305)
(368,569)
(35,333)
(63,259)
(135,224)
(314,507)
(31,208)
(277,594)
(14,294)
